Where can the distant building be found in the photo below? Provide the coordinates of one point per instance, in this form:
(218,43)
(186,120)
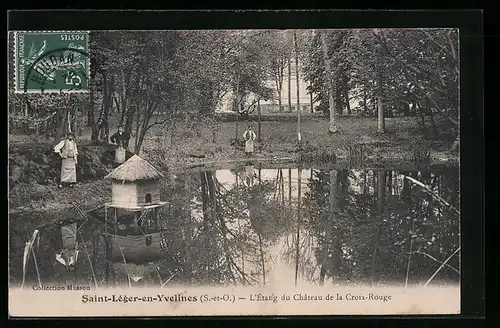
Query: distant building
(272,105)
(304,96)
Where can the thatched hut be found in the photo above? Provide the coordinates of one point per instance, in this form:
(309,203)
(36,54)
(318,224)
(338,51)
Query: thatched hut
(135,184)
(133,245)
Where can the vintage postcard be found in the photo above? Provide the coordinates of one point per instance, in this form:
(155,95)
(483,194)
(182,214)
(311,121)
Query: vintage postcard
(234,172)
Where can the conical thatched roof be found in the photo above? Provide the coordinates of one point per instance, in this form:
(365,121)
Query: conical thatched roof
(135,169)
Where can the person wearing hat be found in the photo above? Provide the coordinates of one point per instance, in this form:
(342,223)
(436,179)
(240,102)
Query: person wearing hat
(249,137)
(69,153)
(120,139)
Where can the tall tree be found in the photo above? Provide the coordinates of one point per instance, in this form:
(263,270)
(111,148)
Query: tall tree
(278,58)
(297,85)
(429,62)
(332,128)
(381,118)
(289,80)
(249,58)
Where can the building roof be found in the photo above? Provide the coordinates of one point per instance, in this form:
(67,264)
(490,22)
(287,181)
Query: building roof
(135,169)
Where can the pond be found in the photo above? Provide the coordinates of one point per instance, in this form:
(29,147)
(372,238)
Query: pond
(271,226)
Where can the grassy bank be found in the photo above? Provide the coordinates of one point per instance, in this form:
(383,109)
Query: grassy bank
(279,139)
(33,173)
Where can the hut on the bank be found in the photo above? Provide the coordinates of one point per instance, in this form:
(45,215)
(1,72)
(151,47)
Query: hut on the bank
(135,183)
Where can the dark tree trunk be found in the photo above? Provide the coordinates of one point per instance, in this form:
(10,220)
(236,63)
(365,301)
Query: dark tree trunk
(377,221)
(90,111)
(263,266)
(338,102)
(406,109)
(205,199)
(374,183)
(346,99)
(343,180)
(212,191)
(364,189)
(236,131)
(433,122)
(454,180)
(365,102)
(406,192)
(259,131)
(297,86)
(282,193)
(381,118)
(332,128)
(329,225)
(91,119)
(103,125)
(299,223)
(389,182)
(60,122)
(237,110)
(279,81)
(421,115)
(389,111)
(311,101)
(129,123)
(289,84)
(138,144)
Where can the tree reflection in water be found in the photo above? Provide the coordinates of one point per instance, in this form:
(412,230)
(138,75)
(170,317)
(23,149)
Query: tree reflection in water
(356,227)
(375,223)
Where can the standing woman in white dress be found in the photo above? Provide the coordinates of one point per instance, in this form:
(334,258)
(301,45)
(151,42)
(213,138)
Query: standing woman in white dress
(69,153)
(249,137)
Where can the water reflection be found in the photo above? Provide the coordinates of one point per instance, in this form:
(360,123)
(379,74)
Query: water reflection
(286,226)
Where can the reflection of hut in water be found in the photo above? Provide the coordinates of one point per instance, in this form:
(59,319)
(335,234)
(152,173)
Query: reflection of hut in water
(138,238)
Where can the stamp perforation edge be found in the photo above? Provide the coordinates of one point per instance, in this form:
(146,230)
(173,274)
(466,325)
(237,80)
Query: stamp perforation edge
(48,90)
(15,61)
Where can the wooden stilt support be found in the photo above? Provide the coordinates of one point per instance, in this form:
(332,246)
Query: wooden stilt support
(157,214)
(137,215)
(113,272)
(94,249)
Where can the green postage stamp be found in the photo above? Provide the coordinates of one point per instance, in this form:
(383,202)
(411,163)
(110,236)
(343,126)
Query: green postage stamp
(51,61)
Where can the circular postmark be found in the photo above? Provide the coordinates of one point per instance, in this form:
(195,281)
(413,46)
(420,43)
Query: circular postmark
(59,70)
(63,70)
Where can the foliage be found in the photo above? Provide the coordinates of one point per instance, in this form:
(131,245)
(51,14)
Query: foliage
(155,78)
(406,67)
